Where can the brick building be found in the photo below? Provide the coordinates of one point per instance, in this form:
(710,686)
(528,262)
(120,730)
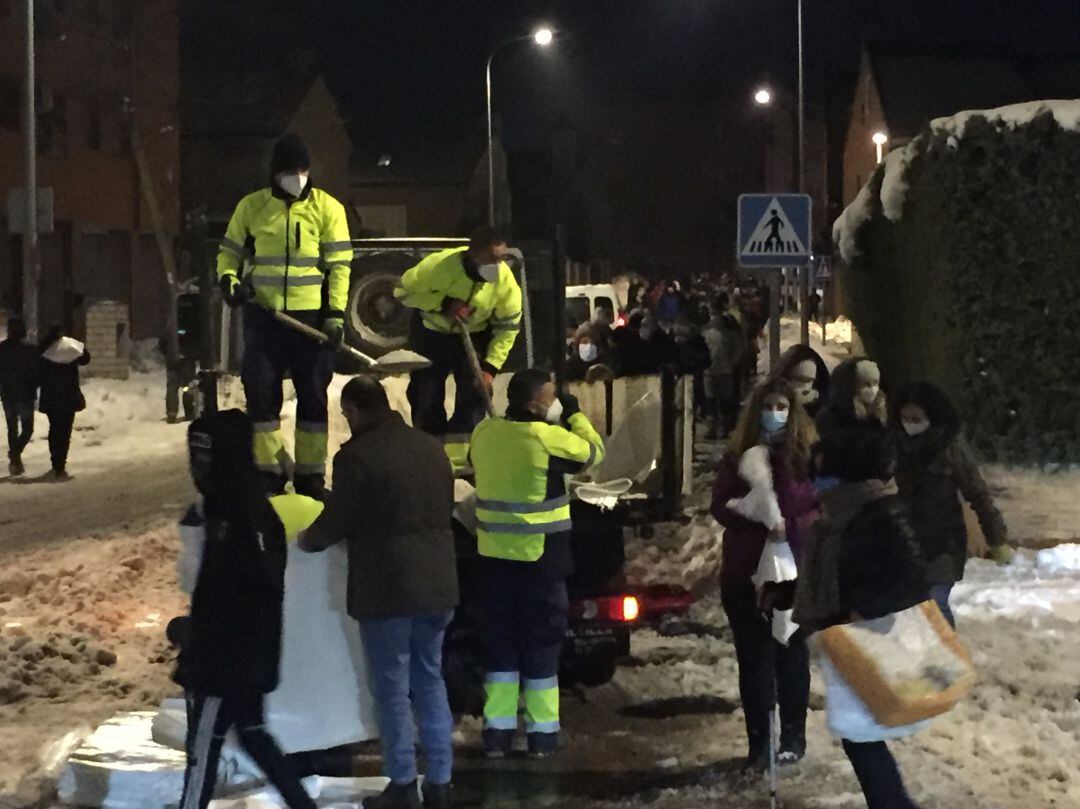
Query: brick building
(105,69)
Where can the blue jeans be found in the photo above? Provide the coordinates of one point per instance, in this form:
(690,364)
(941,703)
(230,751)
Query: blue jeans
(940,593)
(405,660)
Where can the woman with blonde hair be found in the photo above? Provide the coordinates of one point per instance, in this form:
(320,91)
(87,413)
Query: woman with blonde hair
(763,494)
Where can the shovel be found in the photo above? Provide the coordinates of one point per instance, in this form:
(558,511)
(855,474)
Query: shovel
(474,364)
(401,361)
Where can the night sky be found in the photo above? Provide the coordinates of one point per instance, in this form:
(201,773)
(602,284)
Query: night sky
(409,69)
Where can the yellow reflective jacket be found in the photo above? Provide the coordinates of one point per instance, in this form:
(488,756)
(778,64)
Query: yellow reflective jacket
(496,306)
(521,495)
(296,247)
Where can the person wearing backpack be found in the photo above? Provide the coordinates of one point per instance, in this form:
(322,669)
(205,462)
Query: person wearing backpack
(863,561)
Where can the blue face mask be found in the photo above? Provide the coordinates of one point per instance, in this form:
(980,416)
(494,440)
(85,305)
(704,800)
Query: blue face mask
(773,421)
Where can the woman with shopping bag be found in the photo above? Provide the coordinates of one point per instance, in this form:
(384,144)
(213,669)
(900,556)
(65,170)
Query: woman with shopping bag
(889,658)
(763,497)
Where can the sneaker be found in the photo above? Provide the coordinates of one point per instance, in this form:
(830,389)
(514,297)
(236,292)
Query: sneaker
(436,796)
(16,468)
(497,742)
(792,750)
(395,796)
(543,745)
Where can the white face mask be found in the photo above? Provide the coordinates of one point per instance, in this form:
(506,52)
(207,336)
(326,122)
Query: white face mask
(869,394)
(489,272)
(588,352)
(914,428)
(554,412)
(291,183)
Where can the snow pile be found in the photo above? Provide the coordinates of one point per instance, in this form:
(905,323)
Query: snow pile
(82,634)
(1034,587)
(1062,559)
(112,402)
(683,555)
(894,183)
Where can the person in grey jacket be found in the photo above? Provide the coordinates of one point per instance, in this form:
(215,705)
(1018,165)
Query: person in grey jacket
(936,467)
(391,503)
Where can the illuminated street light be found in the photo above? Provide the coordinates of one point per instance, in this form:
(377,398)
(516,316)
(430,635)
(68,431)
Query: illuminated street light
(544,37)
(763,97)
(880,139)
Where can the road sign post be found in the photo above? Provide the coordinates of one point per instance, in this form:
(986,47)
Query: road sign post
(774,231)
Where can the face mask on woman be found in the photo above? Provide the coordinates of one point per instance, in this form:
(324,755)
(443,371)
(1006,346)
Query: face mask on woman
(914,428)
(772,421)
(588,352)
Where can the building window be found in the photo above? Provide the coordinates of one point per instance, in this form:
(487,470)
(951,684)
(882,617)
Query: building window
(52,128)
(10,97)
(93,124)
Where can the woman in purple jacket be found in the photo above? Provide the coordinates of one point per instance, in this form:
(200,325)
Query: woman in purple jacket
(766,495)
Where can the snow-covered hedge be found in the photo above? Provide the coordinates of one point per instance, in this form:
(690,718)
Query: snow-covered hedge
(963,257)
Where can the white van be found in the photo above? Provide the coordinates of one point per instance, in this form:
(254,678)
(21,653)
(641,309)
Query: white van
(583,302)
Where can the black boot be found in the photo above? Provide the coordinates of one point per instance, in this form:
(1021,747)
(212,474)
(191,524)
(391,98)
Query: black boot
(395,796)
(436,796)
(497,742)
(792,746)
(543,745)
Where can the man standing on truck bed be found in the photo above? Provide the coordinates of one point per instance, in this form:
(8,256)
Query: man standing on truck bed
(296,238)
(523,535)
(471,288)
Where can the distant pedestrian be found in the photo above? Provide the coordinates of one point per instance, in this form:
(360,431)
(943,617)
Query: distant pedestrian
(61,395)
(230,647)
(18,391)
(769,671)
(937,467)
(862,562)
(726,341)
(391,503)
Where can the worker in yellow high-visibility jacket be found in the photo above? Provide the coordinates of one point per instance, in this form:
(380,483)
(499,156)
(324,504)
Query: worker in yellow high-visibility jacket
(523,537)
(471,288)
(294,238)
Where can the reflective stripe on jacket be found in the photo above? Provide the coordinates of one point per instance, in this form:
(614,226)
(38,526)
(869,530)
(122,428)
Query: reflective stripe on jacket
(496,306)
(296,247)
(521,495)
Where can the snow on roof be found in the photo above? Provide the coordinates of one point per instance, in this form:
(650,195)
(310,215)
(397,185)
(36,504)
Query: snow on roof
(894,183)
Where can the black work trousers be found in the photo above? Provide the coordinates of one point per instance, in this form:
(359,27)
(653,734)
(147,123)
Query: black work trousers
(61,423)
(209,718)
(878,775)
(427,387)
(769,672)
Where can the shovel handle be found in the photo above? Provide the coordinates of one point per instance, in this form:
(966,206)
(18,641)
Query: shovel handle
(474,363)
(315,334)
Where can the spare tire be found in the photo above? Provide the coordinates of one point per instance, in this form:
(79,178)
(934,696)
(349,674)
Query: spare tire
(375,322)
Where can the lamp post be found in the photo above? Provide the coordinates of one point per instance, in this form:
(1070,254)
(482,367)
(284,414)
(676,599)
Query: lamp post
(31,257)
(880,139)
(543,37)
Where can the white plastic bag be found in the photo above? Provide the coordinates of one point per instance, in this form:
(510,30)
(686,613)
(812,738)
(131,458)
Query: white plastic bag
(64,351)
(777,564)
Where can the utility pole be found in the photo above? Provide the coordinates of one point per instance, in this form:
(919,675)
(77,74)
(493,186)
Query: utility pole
(804,272)
(31,275)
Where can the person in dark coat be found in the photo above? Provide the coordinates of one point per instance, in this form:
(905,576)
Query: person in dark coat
(768,670)
(18,391)
(862,561)
(590,358)
(653,350)
(808,375)
(61,396)
(392,503)
(231,644)
(856,399)
(937,467)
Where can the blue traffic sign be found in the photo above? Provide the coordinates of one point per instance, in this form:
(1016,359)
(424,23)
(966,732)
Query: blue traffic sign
(774,230)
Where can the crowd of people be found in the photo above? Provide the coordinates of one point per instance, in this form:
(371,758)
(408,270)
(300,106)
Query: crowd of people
(864,491)
(42,377)
(710,331)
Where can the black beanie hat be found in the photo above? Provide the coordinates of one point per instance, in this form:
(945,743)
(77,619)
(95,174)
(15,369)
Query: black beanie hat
(290,154)
(220,444)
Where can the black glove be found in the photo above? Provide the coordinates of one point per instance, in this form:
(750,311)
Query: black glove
(234,292)
(570,405)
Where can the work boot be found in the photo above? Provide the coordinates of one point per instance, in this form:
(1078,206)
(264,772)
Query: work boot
(497,742)
(395,796)
(436,796)
(543,745)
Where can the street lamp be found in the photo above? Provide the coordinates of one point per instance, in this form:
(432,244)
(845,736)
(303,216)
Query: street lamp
(763,97)
(880,139)
(543,37)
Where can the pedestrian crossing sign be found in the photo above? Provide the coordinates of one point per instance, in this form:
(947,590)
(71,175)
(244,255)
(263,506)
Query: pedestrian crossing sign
(774,230)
